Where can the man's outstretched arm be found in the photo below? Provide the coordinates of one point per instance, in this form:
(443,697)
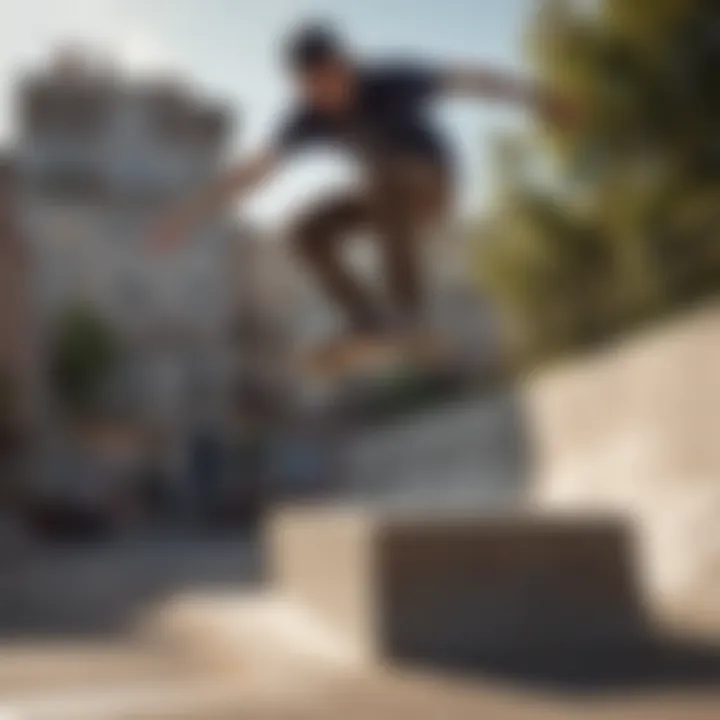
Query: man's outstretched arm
(188,216)
(490,84)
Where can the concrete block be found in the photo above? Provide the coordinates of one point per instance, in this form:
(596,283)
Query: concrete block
(428,587)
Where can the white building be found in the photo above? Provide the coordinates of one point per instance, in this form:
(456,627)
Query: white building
(100,157)
(17,356)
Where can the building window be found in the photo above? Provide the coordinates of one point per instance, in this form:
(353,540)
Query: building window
(71,182)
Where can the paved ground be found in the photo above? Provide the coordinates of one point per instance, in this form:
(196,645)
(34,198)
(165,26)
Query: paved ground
(69,653)
(431,699)
(74,641)
(71,592)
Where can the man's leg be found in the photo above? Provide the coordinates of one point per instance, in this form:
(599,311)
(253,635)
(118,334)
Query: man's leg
(318,238)
(406,201)
(403,272)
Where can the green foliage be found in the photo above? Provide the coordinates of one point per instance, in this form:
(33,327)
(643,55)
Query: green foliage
(626,222)
(84,354)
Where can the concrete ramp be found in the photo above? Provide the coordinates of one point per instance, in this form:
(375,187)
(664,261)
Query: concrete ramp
(447,588)
(633,429)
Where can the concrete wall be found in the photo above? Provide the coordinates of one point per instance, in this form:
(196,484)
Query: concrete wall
(508,586)
(323,560)
(444,588)
(635,429)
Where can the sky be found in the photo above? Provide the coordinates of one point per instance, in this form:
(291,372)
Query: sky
(228,49)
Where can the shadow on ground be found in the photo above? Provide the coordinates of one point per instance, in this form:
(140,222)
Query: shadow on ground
(645,664)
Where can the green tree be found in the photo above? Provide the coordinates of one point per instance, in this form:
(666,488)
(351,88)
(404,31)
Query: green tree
(84,354)
(625,223)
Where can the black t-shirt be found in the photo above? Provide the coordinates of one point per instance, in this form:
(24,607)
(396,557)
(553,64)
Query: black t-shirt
(389,119)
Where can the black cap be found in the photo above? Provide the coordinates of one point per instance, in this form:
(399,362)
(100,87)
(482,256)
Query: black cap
(313,45)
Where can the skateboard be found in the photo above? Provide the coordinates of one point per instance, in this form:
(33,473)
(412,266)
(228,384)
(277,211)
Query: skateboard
(363,356)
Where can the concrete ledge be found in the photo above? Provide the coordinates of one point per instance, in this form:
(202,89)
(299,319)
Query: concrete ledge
(450,588)
(325,560)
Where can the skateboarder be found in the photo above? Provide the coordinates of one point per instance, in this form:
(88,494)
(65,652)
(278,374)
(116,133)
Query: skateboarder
(379,114)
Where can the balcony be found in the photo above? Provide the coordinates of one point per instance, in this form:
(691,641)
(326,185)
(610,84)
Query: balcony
(56,110)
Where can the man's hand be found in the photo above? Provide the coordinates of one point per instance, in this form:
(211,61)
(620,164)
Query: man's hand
(490,84)
(559,112)
(175,227)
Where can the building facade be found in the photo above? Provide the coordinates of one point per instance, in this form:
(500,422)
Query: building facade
(100,158)
(17,358)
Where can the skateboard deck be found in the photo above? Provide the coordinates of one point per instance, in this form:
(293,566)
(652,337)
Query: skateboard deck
(369,356)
